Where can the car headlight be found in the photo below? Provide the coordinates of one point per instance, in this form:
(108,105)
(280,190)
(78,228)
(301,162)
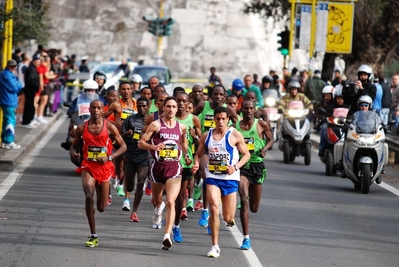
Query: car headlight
(270,102)
(295,113)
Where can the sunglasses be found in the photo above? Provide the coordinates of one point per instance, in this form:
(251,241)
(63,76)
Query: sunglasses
(364,105)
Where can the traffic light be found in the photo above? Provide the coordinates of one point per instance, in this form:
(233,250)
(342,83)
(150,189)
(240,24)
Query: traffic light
(284,42)
(160,26)
(167,26)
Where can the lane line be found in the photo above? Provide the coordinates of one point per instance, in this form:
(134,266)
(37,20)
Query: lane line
(390,188)
(14,176)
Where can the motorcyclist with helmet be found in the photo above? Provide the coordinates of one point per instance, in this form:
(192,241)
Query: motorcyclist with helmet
(238,90)
(90,89)
(136,82)
(328,99)
(363,86)
(293,95)
(101,78)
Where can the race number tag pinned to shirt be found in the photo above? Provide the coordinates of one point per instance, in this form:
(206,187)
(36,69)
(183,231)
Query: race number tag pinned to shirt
(209,122)
(136,134)
(83,109)
(126,112)
(169,153)
(250,142)
(94,152)
(217,166)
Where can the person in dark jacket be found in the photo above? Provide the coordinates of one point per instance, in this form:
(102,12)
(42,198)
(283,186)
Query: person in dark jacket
(363,86)
(386,100)
(32,84)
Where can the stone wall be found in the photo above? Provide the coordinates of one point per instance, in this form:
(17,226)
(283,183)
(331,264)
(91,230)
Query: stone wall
(207,33)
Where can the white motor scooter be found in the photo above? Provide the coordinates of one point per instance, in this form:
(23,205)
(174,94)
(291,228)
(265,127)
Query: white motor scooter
(365,152)
(295,133)
(270,97)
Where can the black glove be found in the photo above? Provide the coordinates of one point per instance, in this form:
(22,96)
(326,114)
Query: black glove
(280,111)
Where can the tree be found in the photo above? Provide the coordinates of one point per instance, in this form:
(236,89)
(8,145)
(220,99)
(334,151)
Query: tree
(375,32)
(29,21)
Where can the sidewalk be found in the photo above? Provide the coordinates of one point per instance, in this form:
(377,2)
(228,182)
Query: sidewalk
(27,139)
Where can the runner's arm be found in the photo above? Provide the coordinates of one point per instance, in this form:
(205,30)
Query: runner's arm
(152,128)
(78,133)
(242,147)
(147,122)
(199,153)
(118,140)
(266,132)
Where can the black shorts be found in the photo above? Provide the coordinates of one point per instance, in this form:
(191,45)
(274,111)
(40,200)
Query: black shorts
(255,172)
(131,166)
(187,174)
(46,90)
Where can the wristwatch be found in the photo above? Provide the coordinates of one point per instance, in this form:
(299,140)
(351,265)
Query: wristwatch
(235,167)
(110,158)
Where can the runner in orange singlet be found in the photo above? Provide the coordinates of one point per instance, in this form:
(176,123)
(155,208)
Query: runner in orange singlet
(97,167)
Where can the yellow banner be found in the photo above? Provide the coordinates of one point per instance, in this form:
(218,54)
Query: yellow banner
(339,28)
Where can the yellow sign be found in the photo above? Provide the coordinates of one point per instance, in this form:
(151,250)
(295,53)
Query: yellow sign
(339,28)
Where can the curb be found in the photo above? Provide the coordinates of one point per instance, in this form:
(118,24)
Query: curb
(28,142)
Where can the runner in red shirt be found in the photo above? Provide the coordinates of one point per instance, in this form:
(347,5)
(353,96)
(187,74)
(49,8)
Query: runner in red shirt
(97,168)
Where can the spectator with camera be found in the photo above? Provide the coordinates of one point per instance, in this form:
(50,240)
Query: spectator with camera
(363,86)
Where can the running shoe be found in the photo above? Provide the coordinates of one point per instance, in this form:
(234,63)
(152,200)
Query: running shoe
(214,253)
(126,205)
(203,221)
(12,146)
(231,224)
(198,206)
(157,226)
(239,206)
(134,217)
(119,191)
(109,200)
(246,244)
(190,205)
(197,190)
(157,217)
(148,190)
(166,243)
(183,215)
(177,235)
(92,242)
(114,183)
(42,120)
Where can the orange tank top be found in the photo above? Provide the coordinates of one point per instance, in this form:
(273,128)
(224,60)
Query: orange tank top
(126,111)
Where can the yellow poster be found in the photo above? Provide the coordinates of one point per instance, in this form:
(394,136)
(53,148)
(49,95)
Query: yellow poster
(339,28)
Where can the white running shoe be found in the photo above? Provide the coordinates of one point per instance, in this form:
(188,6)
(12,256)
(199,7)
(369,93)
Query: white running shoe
(115,183)
(214,253)
(35,122)
(42,120)
(126,205)
(12,146)
(29,126)
(157,218)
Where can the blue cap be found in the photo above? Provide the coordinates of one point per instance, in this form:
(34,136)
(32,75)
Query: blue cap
(238,85)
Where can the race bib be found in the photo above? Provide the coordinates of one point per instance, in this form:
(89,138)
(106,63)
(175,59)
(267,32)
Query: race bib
(126,112)
(136,134)
(217,166)
(93,152)
(193,148)
(250,142)
(209,122)
(169,153)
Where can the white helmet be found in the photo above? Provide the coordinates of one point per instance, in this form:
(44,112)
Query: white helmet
(365,69)
(365,99)
(135,78)
(90,84)
(329,89)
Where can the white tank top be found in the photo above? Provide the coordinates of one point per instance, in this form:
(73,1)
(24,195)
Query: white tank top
(221,153)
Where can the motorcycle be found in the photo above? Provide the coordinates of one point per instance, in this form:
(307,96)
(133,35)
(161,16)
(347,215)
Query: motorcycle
(335,136)
(295,133)
(365,152)
(77,117)
(270,97)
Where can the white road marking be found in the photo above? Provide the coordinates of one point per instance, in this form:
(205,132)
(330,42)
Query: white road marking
(14,176)
(389,188)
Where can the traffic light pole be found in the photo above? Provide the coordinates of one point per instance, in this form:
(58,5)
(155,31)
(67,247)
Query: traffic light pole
(160,50)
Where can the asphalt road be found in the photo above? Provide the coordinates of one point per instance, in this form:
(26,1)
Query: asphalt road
(305,219)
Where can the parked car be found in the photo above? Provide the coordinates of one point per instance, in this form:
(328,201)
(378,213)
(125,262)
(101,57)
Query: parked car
(110,68)
(162,72)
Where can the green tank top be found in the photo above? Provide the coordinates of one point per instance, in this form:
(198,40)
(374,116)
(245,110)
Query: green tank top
(153,108)
(253,141)
(191,144)
(207,117)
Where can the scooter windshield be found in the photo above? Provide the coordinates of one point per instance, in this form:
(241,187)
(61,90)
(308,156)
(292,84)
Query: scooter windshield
(270,93)
(83,104)
(366,121)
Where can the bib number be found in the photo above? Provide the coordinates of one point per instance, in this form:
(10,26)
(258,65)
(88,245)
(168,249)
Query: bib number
(209,122)
(217,167)
(94,152)
(169,153)
(126,112)
(250,142)
(136,134)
